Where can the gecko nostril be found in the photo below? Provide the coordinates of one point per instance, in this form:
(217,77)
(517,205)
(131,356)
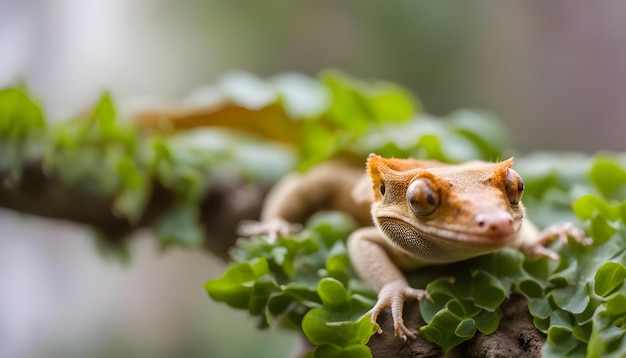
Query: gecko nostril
(495,223)
(481,220)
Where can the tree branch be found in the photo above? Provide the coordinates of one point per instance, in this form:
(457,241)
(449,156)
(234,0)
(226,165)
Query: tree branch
(224,205)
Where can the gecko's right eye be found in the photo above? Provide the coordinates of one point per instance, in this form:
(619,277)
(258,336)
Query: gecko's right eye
(422,199)
(381,187)
(514,187)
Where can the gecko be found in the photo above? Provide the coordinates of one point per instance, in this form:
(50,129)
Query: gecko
(411,214)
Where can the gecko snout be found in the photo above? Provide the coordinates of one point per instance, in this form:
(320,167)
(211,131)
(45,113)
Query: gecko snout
(496,225)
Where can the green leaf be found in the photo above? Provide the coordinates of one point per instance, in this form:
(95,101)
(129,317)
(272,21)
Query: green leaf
(104,113)
(601,229)
(441,292)
(463,308)
(616,303)
(550,351)
(290,296)
(608,176)
(487,322)
(301,95)
(542,324)
(589,205)
(20,116)
(179,225)
(442,330)
(390,102)
(431,147)
(327,326)
(608,338)
(466,328)
(484,131)
(318,144)
(486,291)
(338,262)
(235,287)
(531,288)
(262,289)
(504,266)
(560,334)
(539,307)
(331,226)
(22,134)
(348,107)
(609,277)
(355,105)
(332,293)
(134,195)
(572,298)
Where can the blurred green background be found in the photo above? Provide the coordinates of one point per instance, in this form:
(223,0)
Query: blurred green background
(553,71)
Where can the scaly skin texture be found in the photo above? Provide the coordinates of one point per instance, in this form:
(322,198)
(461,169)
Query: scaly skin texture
(413,213)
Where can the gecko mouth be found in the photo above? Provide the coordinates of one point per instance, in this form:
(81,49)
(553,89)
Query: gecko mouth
(441,246)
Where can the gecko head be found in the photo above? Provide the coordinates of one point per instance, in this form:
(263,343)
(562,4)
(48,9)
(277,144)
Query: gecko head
(446,212)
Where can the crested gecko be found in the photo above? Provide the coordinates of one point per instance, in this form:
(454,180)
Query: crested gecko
(412,213)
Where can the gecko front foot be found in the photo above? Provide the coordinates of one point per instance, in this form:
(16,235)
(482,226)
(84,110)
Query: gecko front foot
(562,233)
(393,294)
(272,228)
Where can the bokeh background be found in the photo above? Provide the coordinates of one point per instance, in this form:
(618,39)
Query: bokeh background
(553,71)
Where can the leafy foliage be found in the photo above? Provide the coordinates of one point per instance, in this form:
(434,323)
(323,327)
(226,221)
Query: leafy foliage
(101,154)
(562,295)
(578,301)
(302,281)
(306,281)
(21,120)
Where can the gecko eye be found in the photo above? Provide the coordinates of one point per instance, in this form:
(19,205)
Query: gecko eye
(514,187)
(381,187)
(422,199)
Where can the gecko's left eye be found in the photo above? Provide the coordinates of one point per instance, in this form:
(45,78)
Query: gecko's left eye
(514,187)
(422,199)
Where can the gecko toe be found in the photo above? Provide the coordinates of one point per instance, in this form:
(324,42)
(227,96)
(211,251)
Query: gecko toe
(410,292)
(403,332)
(393,295)
(557,232)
